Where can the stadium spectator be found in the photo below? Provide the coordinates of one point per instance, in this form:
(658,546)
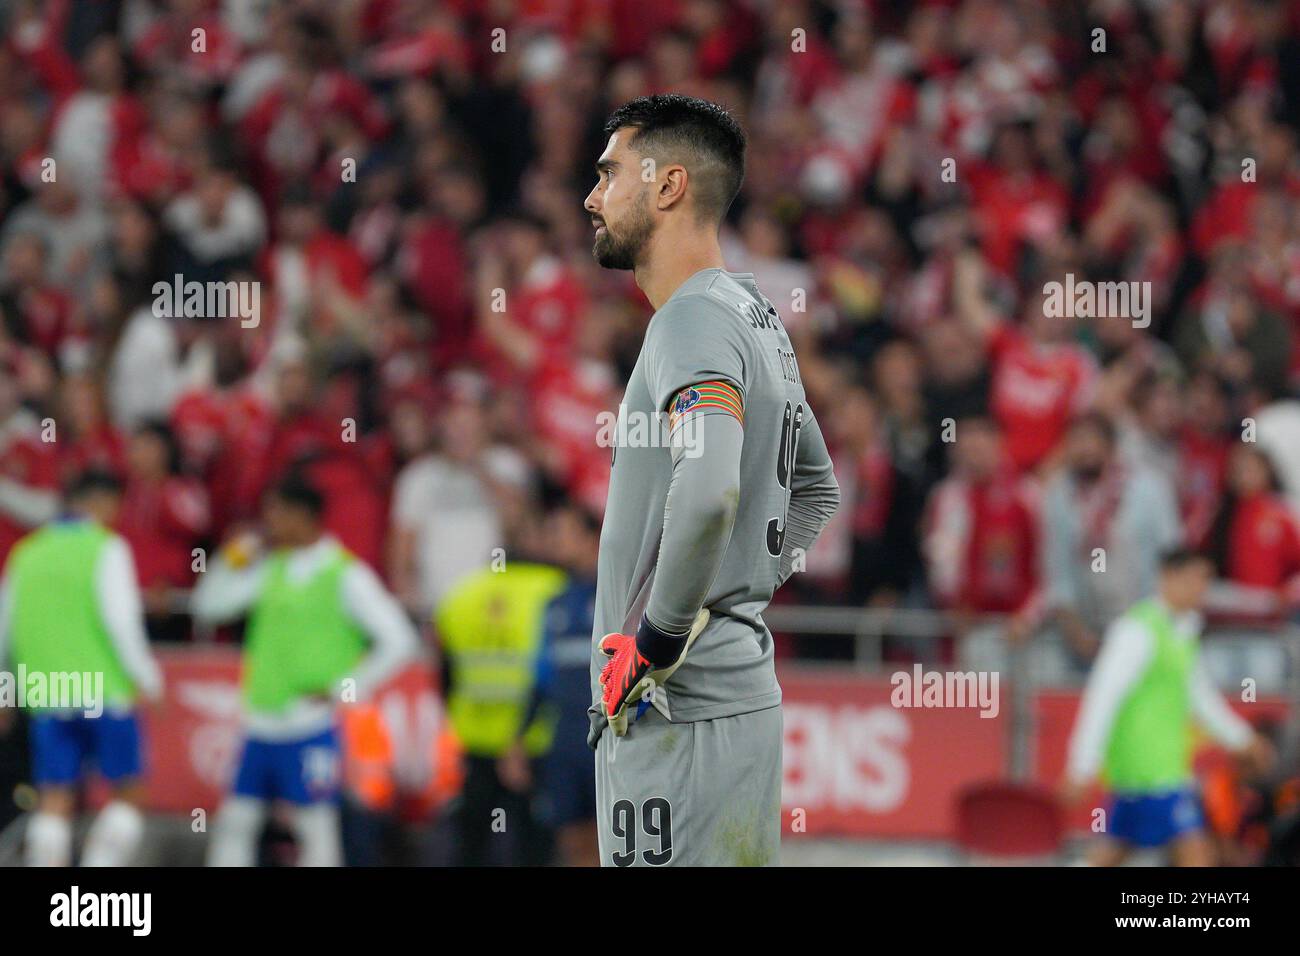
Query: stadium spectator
(1255,539)
(218,223)
(29,478)
(41,309)
(982,541)
(447,520)
(1040,379)
(878,502)
(1104,525)
(1204,442)
(164,517)
(89,442)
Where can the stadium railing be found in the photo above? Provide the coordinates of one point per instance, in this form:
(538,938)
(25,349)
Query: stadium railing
(1239,644)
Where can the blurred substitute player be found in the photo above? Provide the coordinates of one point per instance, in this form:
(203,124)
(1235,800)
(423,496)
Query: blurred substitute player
(711,511)
(311,605)
(70,605)
(1135,721)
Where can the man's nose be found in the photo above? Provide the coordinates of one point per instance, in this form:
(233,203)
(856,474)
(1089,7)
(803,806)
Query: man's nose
(590,203)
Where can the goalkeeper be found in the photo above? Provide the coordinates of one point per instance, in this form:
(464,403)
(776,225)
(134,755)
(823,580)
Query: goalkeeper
(705,518)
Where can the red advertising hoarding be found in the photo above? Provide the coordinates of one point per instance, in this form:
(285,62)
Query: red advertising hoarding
(855,764)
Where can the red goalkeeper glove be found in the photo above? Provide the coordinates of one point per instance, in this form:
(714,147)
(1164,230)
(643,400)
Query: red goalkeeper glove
(630,677)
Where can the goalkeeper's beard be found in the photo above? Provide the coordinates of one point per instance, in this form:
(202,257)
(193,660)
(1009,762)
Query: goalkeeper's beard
(624,251)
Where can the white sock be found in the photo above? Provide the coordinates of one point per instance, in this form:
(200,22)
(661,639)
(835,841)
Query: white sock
(234,836)
(49,840)
(320,842)
(114,836)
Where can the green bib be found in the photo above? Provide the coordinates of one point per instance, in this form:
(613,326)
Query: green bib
(491,627)
(1150,745)
(56,624)
(300,640)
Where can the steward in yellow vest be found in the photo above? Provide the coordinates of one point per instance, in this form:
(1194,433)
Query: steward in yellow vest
(490,626)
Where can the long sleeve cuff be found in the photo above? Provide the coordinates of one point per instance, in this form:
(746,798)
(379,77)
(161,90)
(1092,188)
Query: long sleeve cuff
(659,647)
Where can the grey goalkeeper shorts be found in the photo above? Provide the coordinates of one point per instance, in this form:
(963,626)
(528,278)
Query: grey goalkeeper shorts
(700,793)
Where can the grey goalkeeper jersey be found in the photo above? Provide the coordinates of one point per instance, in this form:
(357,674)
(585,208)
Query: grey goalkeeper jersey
(717,327)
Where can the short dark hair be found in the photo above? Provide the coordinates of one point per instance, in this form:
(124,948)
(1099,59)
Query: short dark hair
(686,127)
(1180,556)
(93,481)
(298,491)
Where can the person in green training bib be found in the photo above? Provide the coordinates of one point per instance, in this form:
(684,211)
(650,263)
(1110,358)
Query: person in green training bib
(1134,727)
(321,630)
(72,625)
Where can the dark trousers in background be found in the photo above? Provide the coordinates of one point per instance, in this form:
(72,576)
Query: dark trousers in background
(15,762)
(497,826)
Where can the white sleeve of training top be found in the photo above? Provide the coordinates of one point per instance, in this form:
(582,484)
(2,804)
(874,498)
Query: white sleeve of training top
(1127,648)
(1213,713)
(122,610)
(375,611)
(224,593)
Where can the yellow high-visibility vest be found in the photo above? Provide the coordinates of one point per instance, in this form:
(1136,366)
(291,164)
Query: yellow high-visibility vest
(491,626)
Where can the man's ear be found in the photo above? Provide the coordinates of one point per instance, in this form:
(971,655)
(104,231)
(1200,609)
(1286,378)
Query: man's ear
(673,187)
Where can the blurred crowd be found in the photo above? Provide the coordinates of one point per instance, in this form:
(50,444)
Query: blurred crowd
(435,345)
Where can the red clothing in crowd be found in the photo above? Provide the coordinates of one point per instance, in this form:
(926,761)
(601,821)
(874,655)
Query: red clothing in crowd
(568,399)
(1263,542)
(1015,210)
(328,260)
(549,305)
(45,315)
(29,462)
(169,44)
(356,503)
(102,449)
(1229,212)
(1202,466)
(1037,389)
(873,492)
(122,116)
(284,135)
(432,47)
(219,434)
(433,265)
(163,521)
(982,541)
(355,495)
